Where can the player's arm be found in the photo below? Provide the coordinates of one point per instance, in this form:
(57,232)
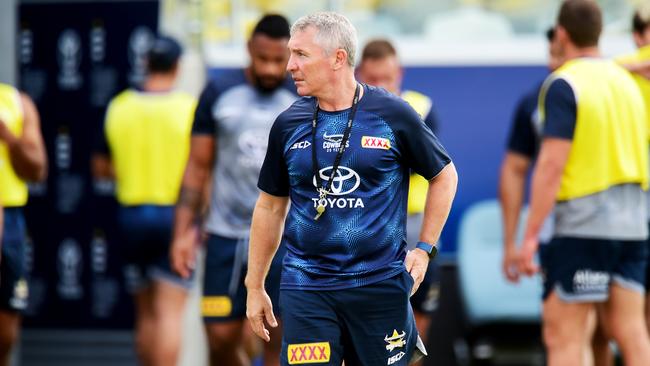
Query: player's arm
(190,201)
(194,184)
(266,232)
(641,68)
(522,146)
(512,183)
(560,111)
(27,152)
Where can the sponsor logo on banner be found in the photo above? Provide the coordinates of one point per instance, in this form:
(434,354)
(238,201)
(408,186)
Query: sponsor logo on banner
(21,292)
(69,266)
(370,142)
(218,306)
(395,358)
(396,340)
(69,58)
(305,353)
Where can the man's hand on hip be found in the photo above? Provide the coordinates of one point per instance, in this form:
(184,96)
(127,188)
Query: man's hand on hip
(259,309)
(416,262)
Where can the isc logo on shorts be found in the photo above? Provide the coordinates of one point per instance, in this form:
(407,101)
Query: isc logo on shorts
(303,353)
(370,142)
(216,306)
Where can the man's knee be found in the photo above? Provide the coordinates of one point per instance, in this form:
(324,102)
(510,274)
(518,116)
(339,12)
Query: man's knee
(224,337)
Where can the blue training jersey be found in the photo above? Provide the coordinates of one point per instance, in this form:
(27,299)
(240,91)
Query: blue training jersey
(360,239)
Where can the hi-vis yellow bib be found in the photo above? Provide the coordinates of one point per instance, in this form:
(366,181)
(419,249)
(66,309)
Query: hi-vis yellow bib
(418,186)
(148,135)
(13,190)
(610,142)
(641,55)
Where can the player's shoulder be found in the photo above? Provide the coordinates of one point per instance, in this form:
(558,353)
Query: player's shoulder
(300,110)
(225,80)
(391,108)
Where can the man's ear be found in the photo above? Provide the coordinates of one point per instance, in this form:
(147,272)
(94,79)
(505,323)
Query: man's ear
(340,58)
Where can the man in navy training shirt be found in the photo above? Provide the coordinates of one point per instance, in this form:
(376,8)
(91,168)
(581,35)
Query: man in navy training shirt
(342,155)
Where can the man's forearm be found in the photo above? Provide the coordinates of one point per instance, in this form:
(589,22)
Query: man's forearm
(440,196)
(266,233)
(27,159)
(511,196)
(546,183)
(190,197)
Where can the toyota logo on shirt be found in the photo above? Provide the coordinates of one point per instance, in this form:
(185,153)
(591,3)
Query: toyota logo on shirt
(345,180)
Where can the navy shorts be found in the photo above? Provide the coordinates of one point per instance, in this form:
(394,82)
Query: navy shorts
(146,239)
(369,325)
(224,293)
(582,270)
(14,290)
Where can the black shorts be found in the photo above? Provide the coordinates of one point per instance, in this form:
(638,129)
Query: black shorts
(582,270)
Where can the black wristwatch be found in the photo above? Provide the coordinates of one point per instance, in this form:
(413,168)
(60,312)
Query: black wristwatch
(431,249)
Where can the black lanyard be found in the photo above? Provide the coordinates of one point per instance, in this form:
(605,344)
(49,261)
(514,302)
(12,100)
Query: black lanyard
(324,191)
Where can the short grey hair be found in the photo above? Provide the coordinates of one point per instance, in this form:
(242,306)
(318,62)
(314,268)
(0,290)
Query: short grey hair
(333,31)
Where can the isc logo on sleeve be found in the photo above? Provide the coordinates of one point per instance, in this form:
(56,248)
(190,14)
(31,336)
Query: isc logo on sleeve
(370,142)
(304,353)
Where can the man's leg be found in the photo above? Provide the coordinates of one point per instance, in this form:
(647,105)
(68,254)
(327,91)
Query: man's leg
(169,304)
(224,300)
(565,330)
(9,329)
(624,314)
(602,352)
(145,325)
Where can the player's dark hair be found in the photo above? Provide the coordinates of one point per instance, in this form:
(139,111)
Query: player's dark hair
(273,26)
(641,19)
(163,55)
(582,20)
(378,49)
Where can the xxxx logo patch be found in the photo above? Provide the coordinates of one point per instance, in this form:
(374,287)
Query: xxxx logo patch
(304,353)
(370,142)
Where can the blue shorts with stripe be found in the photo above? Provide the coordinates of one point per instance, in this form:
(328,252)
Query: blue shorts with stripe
(224,293)
(146,238)
(369,325)
(582,270)
(14,291)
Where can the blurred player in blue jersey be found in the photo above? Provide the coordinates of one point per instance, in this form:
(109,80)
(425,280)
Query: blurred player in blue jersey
(342,155)
(22,158)
(380,67)
(229,138)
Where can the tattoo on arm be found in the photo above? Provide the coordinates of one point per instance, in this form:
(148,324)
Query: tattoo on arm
(190,198)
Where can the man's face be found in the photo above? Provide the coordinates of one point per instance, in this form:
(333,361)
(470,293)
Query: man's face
(642,39)
(383,72)
(554,54)
(310,67)
(269,58)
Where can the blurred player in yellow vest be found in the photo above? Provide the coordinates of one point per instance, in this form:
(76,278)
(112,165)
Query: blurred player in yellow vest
(638,62)
(592,170)
(147,144)
(380,66)
(22,158)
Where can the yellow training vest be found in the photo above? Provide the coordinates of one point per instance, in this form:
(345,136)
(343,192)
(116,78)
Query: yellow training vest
(610,144)
(641,55)
(148,135)
(13,190)
(418,186)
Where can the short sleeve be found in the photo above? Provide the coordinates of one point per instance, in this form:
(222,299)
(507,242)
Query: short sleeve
(560,110)
(522,138)
(274,175)
(431,120)
(204,123)
(420,148)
